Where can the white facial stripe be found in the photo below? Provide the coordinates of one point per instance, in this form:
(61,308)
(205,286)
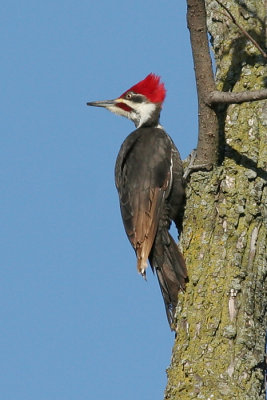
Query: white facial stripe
(117,110)
(144,111)
(140,114)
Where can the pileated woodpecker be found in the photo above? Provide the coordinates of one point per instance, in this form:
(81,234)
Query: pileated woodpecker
(149,180)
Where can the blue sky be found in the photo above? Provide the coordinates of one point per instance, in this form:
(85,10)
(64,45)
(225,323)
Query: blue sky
(77,321)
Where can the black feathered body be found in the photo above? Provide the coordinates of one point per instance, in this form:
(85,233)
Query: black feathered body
(149,180)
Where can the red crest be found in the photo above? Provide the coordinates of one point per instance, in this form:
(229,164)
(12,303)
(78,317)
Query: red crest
(151,87)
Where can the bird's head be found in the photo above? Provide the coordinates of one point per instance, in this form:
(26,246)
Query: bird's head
(141,103)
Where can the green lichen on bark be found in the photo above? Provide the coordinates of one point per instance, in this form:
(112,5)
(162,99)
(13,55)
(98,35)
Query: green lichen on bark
(221,317)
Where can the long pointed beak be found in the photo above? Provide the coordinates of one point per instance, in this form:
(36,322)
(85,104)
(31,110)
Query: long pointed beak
(104,103)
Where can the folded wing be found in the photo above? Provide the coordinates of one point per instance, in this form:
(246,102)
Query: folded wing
(143,179)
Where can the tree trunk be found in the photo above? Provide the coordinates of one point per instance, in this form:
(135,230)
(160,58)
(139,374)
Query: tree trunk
(219,352)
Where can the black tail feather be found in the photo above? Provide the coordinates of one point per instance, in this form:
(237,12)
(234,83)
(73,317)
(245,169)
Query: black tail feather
(168,262)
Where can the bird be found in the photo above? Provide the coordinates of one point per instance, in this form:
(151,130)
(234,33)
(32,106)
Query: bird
(151,188)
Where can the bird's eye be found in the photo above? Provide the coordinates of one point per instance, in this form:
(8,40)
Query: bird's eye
(129,95)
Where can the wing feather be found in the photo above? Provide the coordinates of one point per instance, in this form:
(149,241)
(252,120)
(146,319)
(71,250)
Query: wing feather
(143,175)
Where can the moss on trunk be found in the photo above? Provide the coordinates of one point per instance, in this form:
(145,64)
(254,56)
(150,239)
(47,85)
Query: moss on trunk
(221,318)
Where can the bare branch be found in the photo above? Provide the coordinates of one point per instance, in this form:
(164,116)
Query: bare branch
(207,148)
(245,33)
(235,98)
(190,166)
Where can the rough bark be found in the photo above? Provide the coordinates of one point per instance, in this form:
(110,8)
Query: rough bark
(219,352)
